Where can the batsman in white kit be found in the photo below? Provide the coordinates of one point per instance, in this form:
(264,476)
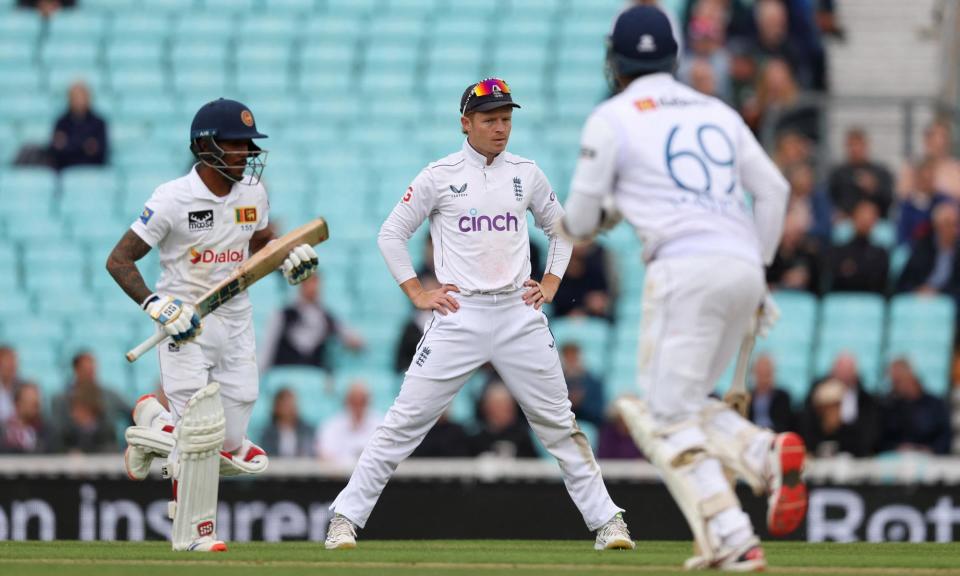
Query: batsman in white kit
(676,165)
(487,310)
(204,224)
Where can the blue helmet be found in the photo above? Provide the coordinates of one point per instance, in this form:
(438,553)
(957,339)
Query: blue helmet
(221,120)
(642,42)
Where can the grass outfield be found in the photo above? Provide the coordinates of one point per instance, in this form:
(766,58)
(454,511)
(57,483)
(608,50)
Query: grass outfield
(456,557)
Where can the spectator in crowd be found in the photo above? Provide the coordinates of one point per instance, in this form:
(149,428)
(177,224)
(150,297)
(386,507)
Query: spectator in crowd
(798,262)
(85,394)
(9,381)
(46,8)
(80,135)
(955,402)
(446,439)
(773,40)
(502,432)
(743,73)
(805,191)
(586,285)
(287,435)
(853,423)
(934,264)
(937,148)
(706,66)
(615,442)
(586,391)
(769,405)
(342,438)
(913,420)
(24,432)
(414,328)
(825,432)
(860,265)
(778,102)
(860,178)
(301,333)
(914,221)
(792,149)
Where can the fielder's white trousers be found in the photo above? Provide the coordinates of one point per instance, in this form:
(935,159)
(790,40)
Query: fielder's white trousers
(696,311)
(223,353)
(514,337)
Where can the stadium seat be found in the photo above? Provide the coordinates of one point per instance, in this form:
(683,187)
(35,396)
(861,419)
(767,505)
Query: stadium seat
(20,78)
(22,26)
(227,6)
(591,334)
(128,51)
(352,7)
(139,24)
(396,29)
(82,25)
(87,192)
(342,29)
(414,7)
(211,27)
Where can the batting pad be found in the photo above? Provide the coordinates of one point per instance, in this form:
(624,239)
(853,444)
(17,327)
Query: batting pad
(740,445)
(199,435)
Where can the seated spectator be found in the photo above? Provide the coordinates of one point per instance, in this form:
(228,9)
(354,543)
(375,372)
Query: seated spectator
(856,424)
(934,264)
(80,135)
(912,419)
(585,290)
(700,77)
(860,265)
(769,405)
(414,328)
(772,39)
(301,333)
(615,442)
(706,65)
(914,221)
(107,404)
(586,391)
(937,149)
(287,435)
(860,178)
(825,432)
(743,73)
(502,432)
(9,381)
(24,432)
(805,191)
(798,262)
(343,437)
(86,429)
(446,439)
(792,149)
(46,8)
(778,103)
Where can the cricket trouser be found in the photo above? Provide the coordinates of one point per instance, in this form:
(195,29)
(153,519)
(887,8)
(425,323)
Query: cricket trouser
(515,339)
(223,353)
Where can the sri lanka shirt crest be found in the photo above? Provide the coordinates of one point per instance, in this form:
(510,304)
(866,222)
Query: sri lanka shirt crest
(517,189)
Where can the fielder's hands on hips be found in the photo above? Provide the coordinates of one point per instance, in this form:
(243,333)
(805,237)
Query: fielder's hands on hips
(299,264)
(541,293)
(180,321)
(767,315)
(437,299)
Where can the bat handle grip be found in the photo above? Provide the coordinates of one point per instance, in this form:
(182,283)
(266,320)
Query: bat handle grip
(145,346)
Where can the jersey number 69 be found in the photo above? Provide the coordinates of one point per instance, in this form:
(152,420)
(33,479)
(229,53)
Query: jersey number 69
(710,160)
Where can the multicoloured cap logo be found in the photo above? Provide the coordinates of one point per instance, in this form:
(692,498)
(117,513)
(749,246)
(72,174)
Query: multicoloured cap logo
(494,86)
(146,215)
(247,118)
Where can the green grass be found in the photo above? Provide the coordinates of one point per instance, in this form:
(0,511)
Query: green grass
(456,557)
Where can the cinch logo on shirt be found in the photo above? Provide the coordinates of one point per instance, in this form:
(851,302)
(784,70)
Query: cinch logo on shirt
(210,257)
(498,223)
(246,214)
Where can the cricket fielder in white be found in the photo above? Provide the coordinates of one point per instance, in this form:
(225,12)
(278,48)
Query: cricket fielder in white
(487,310)
(205,224)
(676,164)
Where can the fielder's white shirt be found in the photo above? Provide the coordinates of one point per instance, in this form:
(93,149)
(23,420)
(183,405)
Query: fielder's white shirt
(678,164)
(201,237)
(478,222)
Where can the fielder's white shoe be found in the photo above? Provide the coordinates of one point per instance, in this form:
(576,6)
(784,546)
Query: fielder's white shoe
(341,533)
(748,557)
(614,535)
(137,459)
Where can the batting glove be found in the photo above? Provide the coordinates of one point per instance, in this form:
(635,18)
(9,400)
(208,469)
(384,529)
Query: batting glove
(299,264)
(180,321)
(767,315)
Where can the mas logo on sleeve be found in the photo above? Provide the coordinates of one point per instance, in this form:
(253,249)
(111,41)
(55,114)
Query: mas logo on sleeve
(146,215)
(246,215)
(200,220)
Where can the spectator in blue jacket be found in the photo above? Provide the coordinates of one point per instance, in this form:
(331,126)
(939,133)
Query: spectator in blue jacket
(913,420)
(80,135)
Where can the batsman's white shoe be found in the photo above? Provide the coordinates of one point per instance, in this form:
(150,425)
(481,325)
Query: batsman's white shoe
(747,557)
(614,535)
(341,534)
(787,503)
(147,438)
(206,544)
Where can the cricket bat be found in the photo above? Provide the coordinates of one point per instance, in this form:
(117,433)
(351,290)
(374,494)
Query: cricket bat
(737,396)
(268,259)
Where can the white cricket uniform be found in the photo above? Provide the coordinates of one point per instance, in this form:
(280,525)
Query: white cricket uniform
(678,164)
(202,238)
(482,246)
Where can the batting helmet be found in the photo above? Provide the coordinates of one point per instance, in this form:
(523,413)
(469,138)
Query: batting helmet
(224,119)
